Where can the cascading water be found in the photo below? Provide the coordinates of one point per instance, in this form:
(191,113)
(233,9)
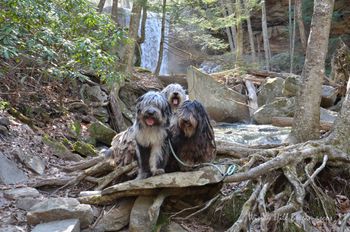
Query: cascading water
(150,47)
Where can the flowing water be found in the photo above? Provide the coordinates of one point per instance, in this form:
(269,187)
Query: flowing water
(251,134)
(150,47)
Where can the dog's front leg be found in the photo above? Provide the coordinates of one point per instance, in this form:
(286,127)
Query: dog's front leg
(142,173)
(156,158)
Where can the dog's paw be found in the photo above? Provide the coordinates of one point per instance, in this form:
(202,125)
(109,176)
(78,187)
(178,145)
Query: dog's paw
(159,171)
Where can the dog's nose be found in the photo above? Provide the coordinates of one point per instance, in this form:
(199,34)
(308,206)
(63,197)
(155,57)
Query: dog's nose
(176,93)
(150,112)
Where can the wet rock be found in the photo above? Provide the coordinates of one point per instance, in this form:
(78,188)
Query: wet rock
(222,104)
(116,218)
(9,172)
(13,194)
(329,96)
(34,163)
(101,132)
(84,149)
(291,86)
(281,107)
(58,209)
(60,150)
(269,90)
(139,218)
(69,225)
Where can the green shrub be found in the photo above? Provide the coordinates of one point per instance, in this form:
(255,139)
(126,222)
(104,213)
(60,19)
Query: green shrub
(59,38)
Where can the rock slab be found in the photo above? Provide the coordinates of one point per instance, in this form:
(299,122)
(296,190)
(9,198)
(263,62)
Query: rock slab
(222,103)
(70,225)
(270,89)
(13,194)
(9,172)
(53,209)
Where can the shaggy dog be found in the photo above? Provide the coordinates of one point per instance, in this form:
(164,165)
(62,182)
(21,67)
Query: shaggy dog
(150,130)
(175,95)
(192,137)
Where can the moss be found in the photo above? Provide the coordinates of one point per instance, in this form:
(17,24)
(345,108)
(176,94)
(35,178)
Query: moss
(84,149)
(58,147)
(101,132)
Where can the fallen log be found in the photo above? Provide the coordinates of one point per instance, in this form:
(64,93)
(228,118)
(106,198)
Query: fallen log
(288,122)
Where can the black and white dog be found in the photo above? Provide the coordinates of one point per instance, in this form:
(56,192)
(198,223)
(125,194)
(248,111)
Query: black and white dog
(153,113)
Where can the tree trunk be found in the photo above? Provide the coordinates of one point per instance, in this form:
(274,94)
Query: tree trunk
(115,11)
(227,29)
(250,31)
(307,113)
(341,131)
(133,31)
(233,27)
(299,19)
(239,46)
(141,39)
(265,35)
(293,45)
(161,45)
(100,5)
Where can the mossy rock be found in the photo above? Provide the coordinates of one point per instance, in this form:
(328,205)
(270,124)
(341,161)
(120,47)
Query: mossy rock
(60,149)
(101,133)
(84,149)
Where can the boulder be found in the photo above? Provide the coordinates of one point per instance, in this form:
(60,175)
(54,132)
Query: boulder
(61,150)
(116,218)
(93,94)
(222,104)
(281,107)
(13,194)
(34,163)
(58,209)
(9,172)
(139,218)
(84,149)
(291,86)
(328,115)
(101,132)
(329,96)
(269,90)
(69,225)
(284,107)
(101,113)
(26,203)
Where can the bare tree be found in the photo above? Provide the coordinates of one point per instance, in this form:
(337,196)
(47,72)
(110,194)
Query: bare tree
(239,46)
(132,35)
(115,11)
(299,19)
(250,31)
(307,114)
(265,35)
(100,5)
(227,29)
(161,45)
(141,39)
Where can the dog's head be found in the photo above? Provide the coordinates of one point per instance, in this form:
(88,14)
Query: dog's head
(152,110)
(175,95)
(192,119)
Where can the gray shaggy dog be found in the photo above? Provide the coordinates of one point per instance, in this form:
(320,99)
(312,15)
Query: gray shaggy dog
(150,130)
(192,137)
(175,95)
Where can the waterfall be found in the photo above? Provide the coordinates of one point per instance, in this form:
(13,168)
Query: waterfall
(150,47)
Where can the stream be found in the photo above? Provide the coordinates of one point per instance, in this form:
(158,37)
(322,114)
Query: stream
(250,134)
